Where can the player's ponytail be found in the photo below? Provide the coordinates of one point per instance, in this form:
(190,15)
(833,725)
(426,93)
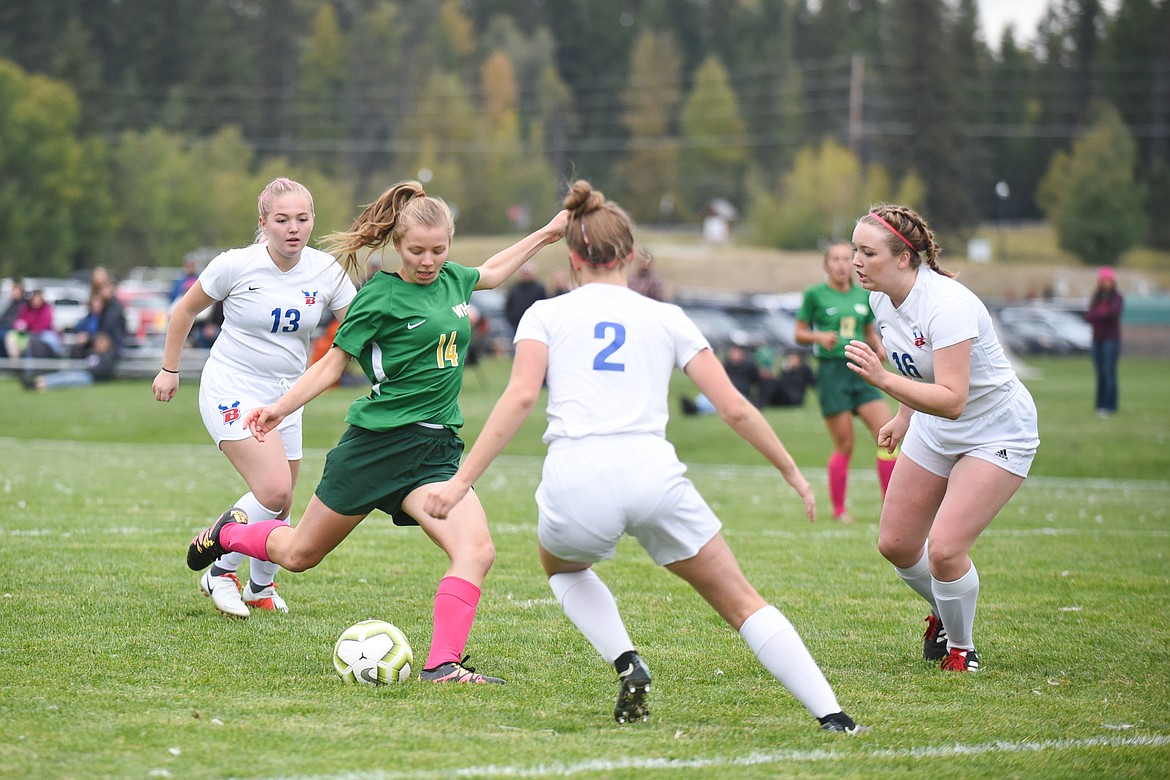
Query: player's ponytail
(404,205)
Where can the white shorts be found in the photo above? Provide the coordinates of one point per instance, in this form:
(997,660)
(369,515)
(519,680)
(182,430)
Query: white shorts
(225,396)
(594,490)
(1005,435)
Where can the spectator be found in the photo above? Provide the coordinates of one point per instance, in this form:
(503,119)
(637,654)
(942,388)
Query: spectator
(205,335)
(560,282)
(98,277)
(1105,316)
(184,282)
(100,364)
(16,300)
(32,333)
(744,375)
(527,291)
(645,280)
(106,315)
(795,377)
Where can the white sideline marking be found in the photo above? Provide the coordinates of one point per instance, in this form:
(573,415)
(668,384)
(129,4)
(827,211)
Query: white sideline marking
(532,463)
(751,759)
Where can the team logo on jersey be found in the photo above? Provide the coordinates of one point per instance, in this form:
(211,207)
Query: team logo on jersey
(462,310)
(310,297)
(860,308)
(230,413)
(919,338)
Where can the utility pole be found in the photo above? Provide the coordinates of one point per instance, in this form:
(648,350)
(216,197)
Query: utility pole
(856,98)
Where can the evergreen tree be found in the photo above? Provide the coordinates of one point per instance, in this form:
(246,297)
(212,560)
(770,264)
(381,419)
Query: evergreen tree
(714,155)
(378,98)
(649,173)
(320,91)
(922,91)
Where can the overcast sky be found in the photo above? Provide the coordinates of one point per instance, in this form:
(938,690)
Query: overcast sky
(1023,15)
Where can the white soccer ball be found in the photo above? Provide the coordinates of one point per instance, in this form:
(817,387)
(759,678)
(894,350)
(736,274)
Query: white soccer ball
(372,652)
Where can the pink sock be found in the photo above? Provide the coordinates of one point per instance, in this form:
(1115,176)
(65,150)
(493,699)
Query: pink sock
(838,477)
(250,539)
(885,468)
(455,604)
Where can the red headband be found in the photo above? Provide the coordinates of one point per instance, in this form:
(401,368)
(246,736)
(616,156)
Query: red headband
(876,216)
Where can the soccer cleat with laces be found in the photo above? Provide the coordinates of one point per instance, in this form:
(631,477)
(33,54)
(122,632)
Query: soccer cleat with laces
(224,591)
(960,660)
(205,548)
(264,598)
(452,672)
(934,641)
(840,723)
(633,687)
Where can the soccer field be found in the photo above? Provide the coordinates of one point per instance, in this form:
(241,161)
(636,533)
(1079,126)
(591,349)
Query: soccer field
(113,664)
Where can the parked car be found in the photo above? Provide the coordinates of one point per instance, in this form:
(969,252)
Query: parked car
(146,313)
(1044,330)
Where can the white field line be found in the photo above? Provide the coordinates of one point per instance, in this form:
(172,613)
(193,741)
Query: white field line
(531,464)
(558,769)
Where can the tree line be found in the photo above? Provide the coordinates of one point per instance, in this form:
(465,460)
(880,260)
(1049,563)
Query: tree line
(135,131)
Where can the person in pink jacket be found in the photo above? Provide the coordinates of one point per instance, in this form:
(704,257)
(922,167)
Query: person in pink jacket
(32,332)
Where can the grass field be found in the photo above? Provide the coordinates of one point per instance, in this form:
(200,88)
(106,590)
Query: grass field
(113,664)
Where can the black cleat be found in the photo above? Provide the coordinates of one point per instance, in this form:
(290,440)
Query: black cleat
(960,660)
(634,678)
(934,641)
(840,723)
(452,672)
(205,548)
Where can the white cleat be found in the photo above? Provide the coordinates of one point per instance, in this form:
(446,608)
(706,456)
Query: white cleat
(265,598)
(224,591)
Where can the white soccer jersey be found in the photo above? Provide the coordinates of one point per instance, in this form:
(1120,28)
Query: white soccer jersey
(940,312)
(269,315)
(611,354)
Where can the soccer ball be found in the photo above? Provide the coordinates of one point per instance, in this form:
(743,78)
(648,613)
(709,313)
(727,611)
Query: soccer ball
(372,652)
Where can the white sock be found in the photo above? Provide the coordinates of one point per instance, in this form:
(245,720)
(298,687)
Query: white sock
(956,607)
(587,601)
(919,579)
(259,571)
(782,652)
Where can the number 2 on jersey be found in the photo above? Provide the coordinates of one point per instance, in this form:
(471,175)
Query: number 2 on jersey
(603,330)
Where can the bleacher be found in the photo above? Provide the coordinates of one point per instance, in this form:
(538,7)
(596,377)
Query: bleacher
(135,363)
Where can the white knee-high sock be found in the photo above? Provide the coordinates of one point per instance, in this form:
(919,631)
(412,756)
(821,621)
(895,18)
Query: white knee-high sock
(919,579)
(956,608)
(782,652)
(260,571)
(587,601)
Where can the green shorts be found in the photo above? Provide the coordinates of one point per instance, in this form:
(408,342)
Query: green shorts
(370,470)
(841,390)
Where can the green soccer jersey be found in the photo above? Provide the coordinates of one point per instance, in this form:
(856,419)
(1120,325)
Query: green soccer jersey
(848,313)
(411,341)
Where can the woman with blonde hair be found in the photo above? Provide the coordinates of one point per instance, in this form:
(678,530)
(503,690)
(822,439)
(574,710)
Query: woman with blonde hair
(409,330)
(274,293)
